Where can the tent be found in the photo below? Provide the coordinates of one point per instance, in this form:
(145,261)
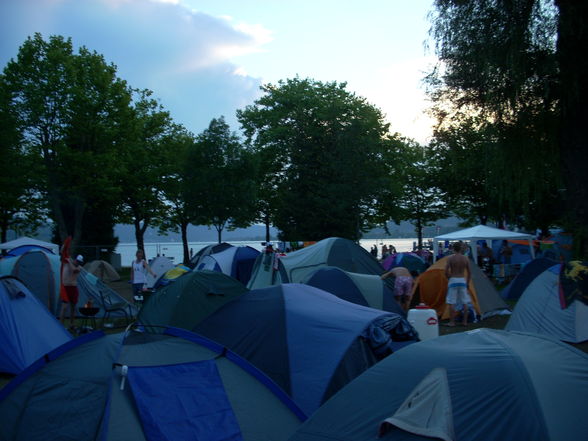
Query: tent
(308,341)
(410,261)
(481,385)
(138,387)
(481,232)
(40,272)
(431,288)
(539,310)
(28,241)
(160,265)
(171,275)
(27,330)
(361,289)
(103,270)
(296,266)
(515,289)
(207,250)
(190,299)
(236,262)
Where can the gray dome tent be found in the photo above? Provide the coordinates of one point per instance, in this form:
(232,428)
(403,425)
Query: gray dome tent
(481,385)
(139,386)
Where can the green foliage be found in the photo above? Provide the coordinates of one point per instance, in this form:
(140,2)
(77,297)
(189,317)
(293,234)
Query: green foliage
(143,158)
(321,153)
(69,110)
(221,175)
(495,96)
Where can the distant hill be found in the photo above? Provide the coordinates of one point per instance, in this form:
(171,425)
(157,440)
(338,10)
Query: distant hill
(200,233)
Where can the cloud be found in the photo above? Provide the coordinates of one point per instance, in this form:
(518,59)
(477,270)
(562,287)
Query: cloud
(185,56)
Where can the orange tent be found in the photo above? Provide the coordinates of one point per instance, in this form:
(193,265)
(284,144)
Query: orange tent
(431,288)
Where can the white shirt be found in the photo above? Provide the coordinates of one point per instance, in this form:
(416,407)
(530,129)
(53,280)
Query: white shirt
(139,272)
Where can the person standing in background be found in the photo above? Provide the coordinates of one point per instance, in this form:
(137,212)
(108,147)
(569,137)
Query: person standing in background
(139,269)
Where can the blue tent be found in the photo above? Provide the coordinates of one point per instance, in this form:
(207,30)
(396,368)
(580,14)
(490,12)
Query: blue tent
(308,341)
(27,330)
(539,310)
(362,289)
(480,385)
(136,386)
(515,289)
(236,262)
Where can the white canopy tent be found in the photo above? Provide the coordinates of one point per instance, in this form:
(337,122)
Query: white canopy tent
(29,241)
(481,232)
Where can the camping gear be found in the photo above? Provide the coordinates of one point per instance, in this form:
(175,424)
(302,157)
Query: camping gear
(103,270)
(361,289)
(515,289)
(410,261)
(27,329)
(481,232)
(431,288)
(40,271)
(480,385)
(111,304)
(189,300)
(138,387)
(236,262)
(29,242)
(272,269)
(310,342)
(207,250)
(540,310)
(424,320)
(160,265)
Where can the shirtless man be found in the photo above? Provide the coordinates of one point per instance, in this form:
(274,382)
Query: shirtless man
(402,285)
(458,273)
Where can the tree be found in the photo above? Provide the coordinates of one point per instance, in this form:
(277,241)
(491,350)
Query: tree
(321,153)
(176,184)
(421,200)
(221,173)
(144,160)
(69,109)
(515,66)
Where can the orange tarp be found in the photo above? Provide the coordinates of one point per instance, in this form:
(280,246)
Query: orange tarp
(431,289)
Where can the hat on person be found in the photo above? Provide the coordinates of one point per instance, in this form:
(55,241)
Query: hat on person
(80,258)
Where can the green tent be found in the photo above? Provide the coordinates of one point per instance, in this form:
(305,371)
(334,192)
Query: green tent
(190,299)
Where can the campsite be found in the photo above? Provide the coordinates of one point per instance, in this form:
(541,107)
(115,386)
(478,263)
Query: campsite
(293,221)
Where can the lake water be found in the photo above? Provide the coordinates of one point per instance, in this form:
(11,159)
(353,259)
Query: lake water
(174,250)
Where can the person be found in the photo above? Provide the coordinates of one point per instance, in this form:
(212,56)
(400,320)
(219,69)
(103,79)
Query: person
(69,279)
(384,251)
(505,252)
(139,269)
(402,285)
(458,273)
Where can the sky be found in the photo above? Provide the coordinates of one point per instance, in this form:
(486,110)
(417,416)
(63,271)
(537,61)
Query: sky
(207,58)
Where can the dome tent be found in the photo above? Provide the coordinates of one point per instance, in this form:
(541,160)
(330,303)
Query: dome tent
(298,265)
(539,310)
(27,329)
(361,289)
(138,386)
(234,261)
(308,341)
(480,385)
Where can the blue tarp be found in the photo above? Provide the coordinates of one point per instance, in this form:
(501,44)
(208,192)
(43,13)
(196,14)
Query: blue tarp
(173,406)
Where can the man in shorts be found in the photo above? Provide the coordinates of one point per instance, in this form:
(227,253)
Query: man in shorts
(402,285)
(69,279)
(458,274)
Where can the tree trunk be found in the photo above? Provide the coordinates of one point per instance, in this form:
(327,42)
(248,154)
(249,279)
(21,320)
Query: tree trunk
(573,67)
(184,231)
(267,228)
(419,228)
(76,234)
(140,233)
(219,230)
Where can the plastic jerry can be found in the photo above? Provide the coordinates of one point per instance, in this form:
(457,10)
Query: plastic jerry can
(425,321)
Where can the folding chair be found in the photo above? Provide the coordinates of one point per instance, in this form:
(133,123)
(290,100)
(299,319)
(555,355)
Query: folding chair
(109,306)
